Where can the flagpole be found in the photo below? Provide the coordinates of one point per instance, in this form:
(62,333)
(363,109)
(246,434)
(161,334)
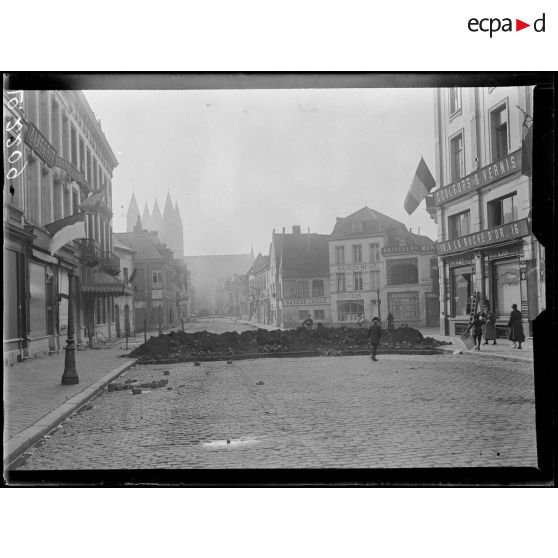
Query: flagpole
(70,375)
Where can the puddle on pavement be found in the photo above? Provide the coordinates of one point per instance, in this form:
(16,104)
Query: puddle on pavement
(230,443)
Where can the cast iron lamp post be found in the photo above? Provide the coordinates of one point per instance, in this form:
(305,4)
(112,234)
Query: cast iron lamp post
(70,375)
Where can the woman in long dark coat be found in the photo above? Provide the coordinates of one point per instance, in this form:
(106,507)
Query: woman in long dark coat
(490,327)
(516,327)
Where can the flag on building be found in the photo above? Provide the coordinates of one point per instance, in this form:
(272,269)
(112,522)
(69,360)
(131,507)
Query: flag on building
(132,277)
(92,202)
(527,153)
(65,230)
(423,183)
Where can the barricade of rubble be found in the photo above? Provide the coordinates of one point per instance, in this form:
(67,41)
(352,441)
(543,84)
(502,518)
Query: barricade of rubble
(179,346)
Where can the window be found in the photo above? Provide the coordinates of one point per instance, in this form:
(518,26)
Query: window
(350,310)
(454,100)
(404,306)
(55,125)
(374,252)
(502,210)
(319,314)
(340,282)
(461,291)
(157,277)
(88,166)
(459,224)
(506,285)
(37,300)
(375,281)
(317,288)
(290,289)
(125,274)
(457,157)
(499,132)
(75,203)
(81,155)
(403,271)
(340,255)
(357,253)
(357,280)
(302,289)
(73,146)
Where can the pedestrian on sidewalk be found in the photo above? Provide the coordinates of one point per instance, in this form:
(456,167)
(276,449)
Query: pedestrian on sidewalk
(517,336)
(490,327)
(476,325)
(308,322)
(374,334)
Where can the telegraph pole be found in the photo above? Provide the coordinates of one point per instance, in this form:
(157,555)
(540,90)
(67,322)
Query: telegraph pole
(70,375)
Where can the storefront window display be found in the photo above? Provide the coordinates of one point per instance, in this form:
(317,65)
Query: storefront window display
(404,306)
(350,310)
(506,285)
(461,291)
(37,301)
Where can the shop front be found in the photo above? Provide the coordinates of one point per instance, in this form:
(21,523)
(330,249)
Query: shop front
(494,273)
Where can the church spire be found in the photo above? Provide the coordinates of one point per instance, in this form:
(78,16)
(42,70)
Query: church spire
(133,213)
(156,219)
(146,218)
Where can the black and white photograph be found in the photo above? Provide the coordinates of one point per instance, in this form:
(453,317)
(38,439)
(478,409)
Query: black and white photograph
(212,273)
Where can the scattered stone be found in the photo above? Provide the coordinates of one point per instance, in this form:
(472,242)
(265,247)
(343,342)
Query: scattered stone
(260,383)
(170,388)
(196,363)
(110,387)
(136,391)
(229,361)
(129,381)
(166,372)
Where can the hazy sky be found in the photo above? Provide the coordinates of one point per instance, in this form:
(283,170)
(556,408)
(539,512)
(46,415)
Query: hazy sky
(243,162)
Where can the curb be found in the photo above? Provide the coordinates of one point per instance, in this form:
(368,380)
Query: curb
(492,355)
(21,442)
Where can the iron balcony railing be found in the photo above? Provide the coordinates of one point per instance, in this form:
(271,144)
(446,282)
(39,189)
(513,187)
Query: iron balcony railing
(110,263)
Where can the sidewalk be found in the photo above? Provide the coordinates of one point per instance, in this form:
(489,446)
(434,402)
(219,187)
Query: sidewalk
(504,348)
(35,401)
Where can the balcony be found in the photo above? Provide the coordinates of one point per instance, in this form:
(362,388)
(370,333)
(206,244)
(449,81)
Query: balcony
(110,263)
(90,252)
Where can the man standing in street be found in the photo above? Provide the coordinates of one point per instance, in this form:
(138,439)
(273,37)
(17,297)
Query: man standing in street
(374,334)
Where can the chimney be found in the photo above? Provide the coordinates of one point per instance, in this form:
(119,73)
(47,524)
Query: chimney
(283,230)
(296,229)
(410,229)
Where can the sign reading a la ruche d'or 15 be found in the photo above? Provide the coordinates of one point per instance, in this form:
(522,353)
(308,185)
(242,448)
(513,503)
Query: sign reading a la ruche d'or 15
(509,231)
(495,171)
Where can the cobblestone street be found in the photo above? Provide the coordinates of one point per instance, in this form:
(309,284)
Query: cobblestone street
(403,411)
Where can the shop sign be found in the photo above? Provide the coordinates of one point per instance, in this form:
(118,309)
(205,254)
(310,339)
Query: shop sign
(463,260)
(73,173)
(505,253)
(349,296)
(502,233)
(357,267)
(415,249)
(305,301)
(40,145)
(495,171)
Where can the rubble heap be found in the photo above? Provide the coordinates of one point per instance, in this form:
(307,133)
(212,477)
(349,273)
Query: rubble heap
(179,345)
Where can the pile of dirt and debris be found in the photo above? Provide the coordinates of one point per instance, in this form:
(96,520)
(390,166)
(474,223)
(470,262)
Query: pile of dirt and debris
(180,346)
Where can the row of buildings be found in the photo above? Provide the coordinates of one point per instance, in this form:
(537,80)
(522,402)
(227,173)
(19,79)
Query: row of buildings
(368,266)
(484,255)
(58,175)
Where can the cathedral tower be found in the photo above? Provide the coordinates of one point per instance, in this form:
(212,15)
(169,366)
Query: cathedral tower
(133,214)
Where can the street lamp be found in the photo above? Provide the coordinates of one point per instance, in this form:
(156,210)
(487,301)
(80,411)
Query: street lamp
(70,375)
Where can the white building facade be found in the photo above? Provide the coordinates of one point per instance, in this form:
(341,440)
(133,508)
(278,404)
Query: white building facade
(487,254)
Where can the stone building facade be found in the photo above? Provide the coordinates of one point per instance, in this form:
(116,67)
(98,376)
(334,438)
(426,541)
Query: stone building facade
(56,157)
(487,254)
(377,266)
